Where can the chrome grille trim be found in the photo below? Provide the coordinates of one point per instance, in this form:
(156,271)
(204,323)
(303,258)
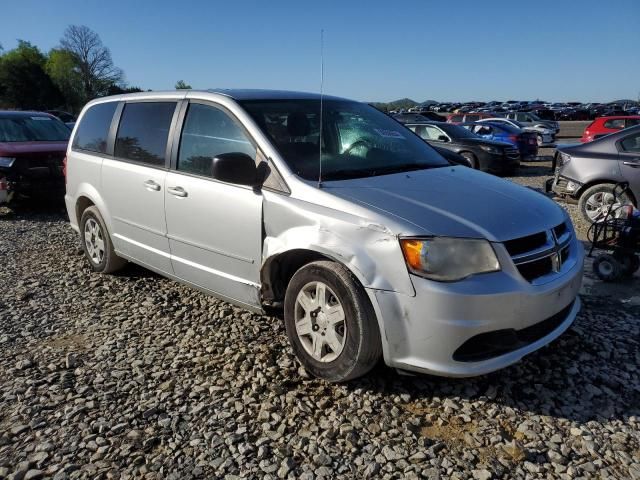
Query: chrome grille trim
(552,255)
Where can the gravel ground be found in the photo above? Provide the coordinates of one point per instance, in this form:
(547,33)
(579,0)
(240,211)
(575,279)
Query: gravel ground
(137,376)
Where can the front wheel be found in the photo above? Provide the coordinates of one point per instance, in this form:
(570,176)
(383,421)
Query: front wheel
(330,322)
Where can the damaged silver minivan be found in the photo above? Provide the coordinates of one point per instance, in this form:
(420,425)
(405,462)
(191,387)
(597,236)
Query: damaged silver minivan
(370,241)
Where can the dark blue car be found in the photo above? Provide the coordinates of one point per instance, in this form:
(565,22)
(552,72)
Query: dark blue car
(525,142)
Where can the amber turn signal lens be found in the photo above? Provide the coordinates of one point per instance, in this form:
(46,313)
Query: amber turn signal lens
(412,250)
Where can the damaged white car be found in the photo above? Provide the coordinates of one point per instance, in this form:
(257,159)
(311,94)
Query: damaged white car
(373,245)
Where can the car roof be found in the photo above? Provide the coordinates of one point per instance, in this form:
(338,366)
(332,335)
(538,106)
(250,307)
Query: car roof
(22,114)
(260,94)
(617,117)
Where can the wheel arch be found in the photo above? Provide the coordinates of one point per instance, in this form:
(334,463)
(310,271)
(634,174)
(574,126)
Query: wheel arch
(87,196)
(601,181)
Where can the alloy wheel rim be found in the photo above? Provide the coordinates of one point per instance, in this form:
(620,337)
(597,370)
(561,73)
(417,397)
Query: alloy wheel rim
(94,241)
(320,322)
(599,204)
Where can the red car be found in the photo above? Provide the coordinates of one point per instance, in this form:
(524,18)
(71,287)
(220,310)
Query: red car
(468,117)
(32,150)
(602,126)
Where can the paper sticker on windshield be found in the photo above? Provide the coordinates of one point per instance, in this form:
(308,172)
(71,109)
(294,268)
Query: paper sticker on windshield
(389,133)
(40,118)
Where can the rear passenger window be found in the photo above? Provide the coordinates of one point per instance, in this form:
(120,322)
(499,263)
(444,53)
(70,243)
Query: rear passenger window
(144,131)
(472,118)
(94,127)
(631,144)
(208,132)
(617,124)
(632,122)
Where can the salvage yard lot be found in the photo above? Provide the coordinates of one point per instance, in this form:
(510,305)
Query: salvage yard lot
(136,375)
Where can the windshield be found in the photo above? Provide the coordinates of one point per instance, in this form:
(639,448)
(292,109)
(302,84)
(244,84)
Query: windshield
(33,129)
(357,140)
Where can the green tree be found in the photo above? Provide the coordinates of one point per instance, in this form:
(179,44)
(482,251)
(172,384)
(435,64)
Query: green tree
(181,85)
(93,60)
(62,68)
(24,82)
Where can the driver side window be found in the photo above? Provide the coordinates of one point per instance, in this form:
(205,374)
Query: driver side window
(208,132)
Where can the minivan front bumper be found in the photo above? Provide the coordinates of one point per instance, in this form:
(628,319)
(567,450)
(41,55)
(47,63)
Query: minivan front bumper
(477,325)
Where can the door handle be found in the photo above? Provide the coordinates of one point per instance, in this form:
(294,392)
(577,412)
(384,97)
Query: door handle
(632,164)
(177,191)
(151,185)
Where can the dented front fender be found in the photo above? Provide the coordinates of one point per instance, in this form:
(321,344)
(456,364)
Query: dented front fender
(366,247)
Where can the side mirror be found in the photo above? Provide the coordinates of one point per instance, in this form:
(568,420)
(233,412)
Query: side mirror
(443,138)
(238,168)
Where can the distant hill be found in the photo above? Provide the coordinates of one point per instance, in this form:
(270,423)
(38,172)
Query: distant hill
(395,105)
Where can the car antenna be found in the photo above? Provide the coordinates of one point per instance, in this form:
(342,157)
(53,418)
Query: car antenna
(321,95)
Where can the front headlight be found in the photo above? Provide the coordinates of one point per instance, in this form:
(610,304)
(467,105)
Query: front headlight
(446,259)
(491,149)
(6,161)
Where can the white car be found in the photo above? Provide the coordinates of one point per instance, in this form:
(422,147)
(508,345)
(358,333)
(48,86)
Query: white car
(546,137)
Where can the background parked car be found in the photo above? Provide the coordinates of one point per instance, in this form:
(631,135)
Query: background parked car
(605,125)
(588,172)
(68,118)
(544,135)
(531,119)
(418,117)
(458,118)
(32,148)
(482,154)
(525,142)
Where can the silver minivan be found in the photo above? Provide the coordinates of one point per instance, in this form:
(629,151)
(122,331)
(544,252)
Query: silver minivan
(372,244)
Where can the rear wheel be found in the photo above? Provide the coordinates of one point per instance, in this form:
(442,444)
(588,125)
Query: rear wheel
(96,243)
(330,322)
(597,201)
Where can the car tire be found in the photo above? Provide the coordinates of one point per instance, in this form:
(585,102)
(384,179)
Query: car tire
(601,194)
(607,268)
(97,244)
(471,158)
(336,349)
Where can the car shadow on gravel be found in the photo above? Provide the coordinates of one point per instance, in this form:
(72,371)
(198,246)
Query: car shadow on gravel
(574,378)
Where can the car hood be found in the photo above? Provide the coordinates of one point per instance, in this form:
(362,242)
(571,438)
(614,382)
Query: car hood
(21,149)
(454,201)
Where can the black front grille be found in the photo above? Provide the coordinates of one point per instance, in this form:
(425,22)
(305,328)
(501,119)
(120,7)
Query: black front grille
(525,244)
(499,342)
(536,269)
(542,253)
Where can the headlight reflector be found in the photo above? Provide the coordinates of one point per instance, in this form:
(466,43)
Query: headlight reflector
(447,259)
(6,161)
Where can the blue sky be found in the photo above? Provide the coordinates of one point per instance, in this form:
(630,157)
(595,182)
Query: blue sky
(375,50)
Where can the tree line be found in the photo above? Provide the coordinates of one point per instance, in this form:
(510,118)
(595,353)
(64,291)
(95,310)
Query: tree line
(79,69)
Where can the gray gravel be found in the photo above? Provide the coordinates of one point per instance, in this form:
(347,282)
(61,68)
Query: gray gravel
(136,376)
